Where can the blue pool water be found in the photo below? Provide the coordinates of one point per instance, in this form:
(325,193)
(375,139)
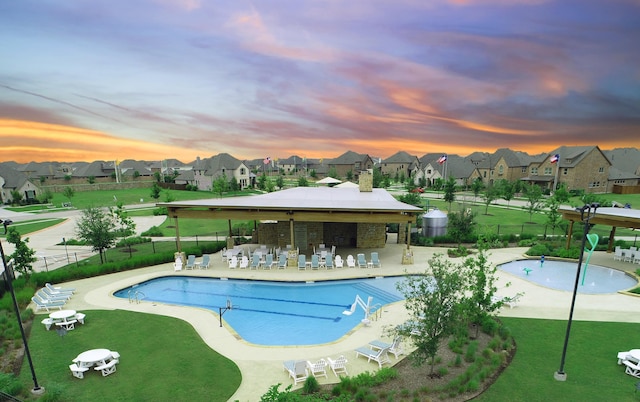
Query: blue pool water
(561,275)
(274,313)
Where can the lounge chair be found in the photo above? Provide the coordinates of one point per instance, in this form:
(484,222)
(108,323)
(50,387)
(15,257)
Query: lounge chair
(338,366)
(318,369)
(244,262)
(632,368)
(46,294)
(268,261)
(255,260)
(351,262)
(339,262)
(362,262)
(191,262)
(379,356)
(328,262)
(43,305)
(177,264)
(233,262)
(315,262)
(206,260)
(282,261)
(375,261)
(394,347)
(297,370)
(58,289)
(302,261)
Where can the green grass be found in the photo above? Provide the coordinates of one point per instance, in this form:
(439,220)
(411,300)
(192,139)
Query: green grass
(590,364)
(162,359)
(202,227)
(26,227)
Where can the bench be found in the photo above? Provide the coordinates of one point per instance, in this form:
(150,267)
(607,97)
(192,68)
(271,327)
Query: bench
(48,322)
(77,371)
(107,368)
(68,325)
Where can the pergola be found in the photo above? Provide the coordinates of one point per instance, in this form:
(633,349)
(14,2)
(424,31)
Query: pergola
(300,204)
(614,217)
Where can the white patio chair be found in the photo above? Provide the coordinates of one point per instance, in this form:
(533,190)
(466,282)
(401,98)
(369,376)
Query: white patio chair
(338,366)
(379,356)
(297,370)
(318,369)
(617,256)
(339,263)
(395,347)
(233,262)
(244,262)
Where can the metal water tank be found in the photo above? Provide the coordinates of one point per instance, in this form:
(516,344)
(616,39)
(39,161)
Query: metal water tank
(434,223)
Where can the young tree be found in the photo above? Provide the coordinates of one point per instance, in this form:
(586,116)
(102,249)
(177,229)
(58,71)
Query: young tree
(476,187)
(23,256)
(302,182)
(460,225)
(68,193)
(438,183)
(333,172)
(97,228)
(533,194)
(507,190)
(553,216)
(350,175)
(562,194)
(126,225)
(220,185)
(46,196)
(450,191)
(490,195)
(433,302)
(280,182)
(262,181)
(16,197)
(155,191)
(378,178)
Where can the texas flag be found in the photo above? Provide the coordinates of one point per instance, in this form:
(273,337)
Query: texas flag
(442,159)
(555,158)
(266,160)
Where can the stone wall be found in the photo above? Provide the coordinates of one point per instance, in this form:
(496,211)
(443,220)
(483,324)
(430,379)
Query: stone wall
(371,235)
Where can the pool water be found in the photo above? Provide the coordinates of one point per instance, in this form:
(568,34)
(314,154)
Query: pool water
(274,313)
(561,275)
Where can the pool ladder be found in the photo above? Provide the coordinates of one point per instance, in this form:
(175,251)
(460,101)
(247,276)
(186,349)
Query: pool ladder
(135,297)
(375,312)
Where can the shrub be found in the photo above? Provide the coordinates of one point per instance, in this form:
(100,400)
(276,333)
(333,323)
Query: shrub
(470,355)
(153,231)
(442,371)
(10,384)
(310,385)
(130,241)
(490,326)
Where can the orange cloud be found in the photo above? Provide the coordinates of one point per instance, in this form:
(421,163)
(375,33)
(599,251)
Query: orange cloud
(32,141)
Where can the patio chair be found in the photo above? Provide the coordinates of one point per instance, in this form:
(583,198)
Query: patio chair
(255,261)
(318,369)
(302,262)
(379,356)
(268,261)
(394,347)
(339,262)
(315,262)
(58,289)
(191,262)
(282,261)
(44,294)
(375,261)
(44,305)
(177,264)
(328,261)
(339,365)
(618,255)
(297,370)
(233,262)
(351,262)
(244,262)
(206,260)
(362,262)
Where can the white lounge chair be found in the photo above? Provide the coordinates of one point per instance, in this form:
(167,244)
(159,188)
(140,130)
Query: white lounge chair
(618,254)
(351,262)
(244,262)
(43,305)
(339,262)
(255,261)
(177,264)
(318,369)
(45,293)
(233,262)
(394,347)
(55,289)
(297,370)
(379,356)
(375,261)
(338,366)
(191,262)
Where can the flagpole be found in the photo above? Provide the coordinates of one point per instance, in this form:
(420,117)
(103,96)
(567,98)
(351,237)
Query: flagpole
(555,180)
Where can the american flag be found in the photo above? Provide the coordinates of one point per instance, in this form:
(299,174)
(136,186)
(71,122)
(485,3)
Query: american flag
(442,159)
(266,160)
(555,158)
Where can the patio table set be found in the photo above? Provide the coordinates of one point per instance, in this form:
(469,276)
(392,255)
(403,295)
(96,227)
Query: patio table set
(631,254)
(63,319)
(103,360)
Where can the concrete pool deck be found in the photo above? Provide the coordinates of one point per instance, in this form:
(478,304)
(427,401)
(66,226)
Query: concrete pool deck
(261,366)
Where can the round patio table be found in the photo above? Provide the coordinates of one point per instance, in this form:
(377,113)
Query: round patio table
(93,357)
(62,315)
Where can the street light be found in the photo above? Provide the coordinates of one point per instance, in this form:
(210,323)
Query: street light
(7,273)
(587,212)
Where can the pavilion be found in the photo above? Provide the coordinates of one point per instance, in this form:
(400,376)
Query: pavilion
(609,216)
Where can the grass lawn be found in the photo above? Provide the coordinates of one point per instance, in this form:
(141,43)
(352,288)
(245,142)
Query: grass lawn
(162,359)
(590,364)
(26,227)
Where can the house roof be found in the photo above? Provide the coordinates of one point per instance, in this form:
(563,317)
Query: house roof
(349,158)
(572,156)
(625,160)
(13,179)
(401,157)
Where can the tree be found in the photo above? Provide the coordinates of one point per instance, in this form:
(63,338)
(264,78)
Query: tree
(155,191)
(302,182)
(350,175)
(476,187)
(46,196)
(450,191)
(16,197)
(333,172)
(378,179)
(270,186)
(438,184)
(507,190)
(23,256)
(91,179)
(280,182)
(157,176)
(433,302)
(533,194)
(233,184)
(97,228)
(562,194)
(262,181)
(460,225)
(68,193)
(126,225)
(220,185)
(553,216)
(136,174)
(490,195)
(312,173)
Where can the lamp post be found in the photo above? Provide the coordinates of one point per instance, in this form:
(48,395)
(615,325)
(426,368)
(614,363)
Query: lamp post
(7,272)
(587,212)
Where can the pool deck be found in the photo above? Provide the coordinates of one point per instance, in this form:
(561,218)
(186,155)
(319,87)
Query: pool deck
(261,366)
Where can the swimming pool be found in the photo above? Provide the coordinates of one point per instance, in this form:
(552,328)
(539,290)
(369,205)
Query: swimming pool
(561,275)
(274,313)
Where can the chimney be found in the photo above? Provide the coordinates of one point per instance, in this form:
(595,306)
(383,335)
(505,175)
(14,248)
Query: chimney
(365,181)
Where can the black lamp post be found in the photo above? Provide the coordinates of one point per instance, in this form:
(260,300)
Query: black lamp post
(586,213)
(7,272)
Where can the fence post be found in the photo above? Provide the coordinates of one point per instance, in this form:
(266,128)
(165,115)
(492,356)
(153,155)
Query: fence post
(153,246)
(75,255)
(498,230)
(197,244)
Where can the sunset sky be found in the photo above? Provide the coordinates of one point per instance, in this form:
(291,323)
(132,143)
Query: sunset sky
(154,79)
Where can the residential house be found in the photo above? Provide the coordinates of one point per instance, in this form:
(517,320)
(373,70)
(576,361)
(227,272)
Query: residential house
(207,170)
(351,163)
(291,165)
(14,180)
(400,164)
(625,168)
